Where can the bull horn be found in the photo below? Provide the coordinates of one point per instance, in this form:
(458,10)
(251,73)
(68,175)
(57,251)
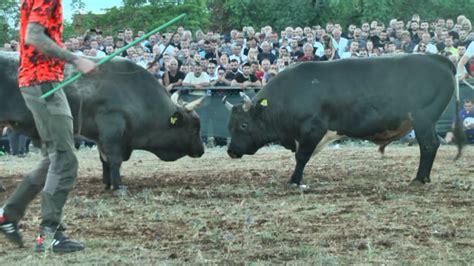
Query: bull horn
(247,101)
(194,104)
(227,104)
(175,97)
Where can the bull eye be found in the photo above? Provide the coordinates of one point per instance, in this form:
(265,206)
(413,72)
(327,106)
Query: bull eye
(243,126)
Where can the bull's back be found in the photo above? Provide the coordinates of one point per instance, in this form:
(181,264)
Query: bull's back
(360,95)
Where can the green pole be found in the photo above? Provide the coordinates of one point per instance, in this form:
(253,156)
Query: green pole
(114,54)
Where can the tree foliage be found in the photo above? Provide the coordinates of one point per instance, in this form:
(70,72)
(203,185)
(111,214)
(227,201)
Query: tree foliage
(224,15)
(144,15)
(228,14)
(9,16)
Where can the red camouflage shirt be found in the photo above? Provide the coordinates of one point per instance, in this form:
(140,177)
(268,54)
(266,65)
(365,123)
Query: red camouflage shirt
(36,67)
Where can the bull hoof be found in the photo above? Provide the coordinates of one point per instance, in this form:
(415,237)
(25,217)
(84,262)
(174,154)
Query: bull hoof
(416,183)
(420,181)
(298,186)
(121,191)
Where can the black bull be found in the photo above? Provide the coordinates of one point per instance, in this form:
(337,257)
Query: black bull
(379,99)
(120,106)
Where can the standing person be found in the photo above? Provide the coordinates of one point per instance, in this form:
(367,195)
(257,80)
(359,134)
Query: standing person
(461,68)
(42,66)
(17,142)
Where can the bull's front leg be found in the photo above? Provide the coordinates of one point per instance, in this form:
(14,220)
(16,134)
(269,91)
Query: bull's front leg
(111,163)
(111,131)
(305,148)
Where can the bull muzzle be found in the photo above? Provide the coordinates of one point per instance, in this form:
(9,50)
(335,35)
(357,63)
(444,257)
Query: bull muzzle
(233,155)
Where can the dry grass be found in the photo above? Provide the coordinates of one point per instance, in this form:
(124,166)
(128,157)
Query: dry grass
(359,209)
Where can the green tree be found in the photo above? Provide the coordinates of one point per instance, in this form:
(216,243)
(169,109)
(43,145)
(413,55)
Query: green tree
(228,14)
(9,17)
(144,15)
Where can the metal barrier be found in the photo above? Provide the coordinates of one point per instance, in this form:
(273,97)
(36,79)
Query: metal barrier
(213,114)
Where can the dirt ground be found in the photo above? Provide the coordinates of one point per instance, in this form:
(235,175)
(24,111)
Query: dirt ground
(359,208)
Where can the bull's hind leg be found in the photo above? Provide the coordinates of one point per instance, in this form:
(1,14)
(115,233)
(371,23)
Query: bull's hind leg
(106,178)
(306,146)
(428,141)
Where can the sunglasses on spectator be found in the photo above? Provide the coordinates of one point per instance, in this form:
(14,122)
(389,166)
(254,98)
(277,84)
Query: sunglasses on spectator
(221,73)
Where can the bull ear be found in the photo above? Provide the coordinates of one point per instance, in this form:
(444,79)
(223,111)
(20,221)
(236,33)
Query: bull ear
(194,104)
(247,102)
(176,120)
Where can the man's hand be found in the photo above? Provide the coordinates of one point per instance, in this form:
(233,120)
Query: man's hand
(84,65)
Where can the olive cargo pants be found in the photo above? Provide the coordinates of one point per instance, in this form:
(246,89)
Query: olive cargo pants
(55,174)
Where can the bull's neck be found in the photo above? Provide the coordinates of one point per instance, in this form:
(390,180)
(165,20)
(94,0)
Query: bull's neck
(270,125)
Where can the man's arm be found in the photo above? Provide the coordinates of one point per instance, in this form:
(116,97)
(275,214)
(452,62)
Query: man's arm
(166,77)
(256,83)
(36,36)
(461,67)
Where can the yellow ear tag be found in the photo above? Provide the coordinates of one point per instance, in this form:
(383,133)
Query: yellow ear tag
(173,120)
(264,102)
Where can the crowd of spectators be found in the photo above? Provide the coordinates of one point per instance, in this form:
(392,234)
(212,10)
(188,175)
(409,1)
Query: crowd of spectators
(209,58)
(249,58)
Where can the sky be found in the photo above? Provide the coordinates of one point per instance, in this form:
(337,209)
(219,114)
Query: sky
(94,6)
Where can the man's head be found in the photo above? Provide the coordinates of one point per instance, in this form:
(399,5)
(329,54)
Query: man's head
(234,65)
(424,25)
(328,52)
(265,47)
(426,37)
(449,24)
(236,49)
(336,33)
(128,34)
(266,65)
(469,105)
(109,49)
(75,44)
(94,44)
(173,64)
(461,50)
(449,42)
(365,27)
(283,51)
(246,69)
(207,46)
(354,47)
(197,70)
(211,68)
(308,49)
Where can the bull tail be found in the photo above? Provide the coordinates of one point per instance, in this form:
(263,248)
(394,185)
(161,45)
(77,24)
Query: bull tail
(459,136)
